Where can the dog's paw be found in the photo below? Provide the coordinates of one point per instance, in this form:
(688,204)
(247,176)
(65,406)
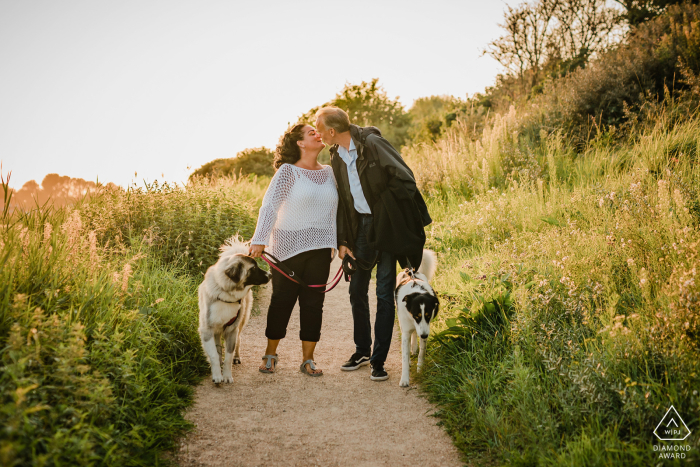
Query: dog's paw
(236,361)
(228,379)
(217,379)
(403,383)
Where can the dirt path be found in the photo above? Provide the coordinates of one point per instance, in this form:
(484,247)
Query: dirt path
(290,419)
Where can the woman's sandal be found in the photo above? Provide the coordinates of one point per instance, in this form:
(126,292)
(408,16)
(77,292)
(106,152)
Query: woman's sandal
(303,369)
(268,366)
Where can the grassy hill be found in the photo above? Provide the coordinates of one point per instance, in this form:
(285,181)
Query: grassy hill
(568,273)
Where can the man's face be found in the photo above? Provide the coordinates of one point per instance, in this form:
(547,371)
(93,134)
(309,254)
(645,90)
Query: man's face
(327,134)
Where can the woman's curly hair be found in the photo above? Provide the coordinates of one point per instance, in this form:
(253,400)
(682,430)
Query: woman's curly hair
(288,151)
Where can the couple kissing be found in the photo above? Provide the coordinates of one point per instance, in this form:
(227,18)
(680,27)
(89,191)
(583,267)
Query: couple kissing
(365,205)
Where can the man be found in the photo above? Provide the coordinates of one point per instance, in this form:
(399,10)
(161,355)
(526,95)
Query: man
(375,186)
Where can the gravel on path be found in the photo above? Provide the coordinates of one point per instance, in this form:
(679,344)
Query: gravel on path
(290,419)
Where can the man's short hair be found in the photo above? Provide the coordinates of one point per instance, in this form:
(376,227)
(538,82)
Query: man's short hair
(333,117)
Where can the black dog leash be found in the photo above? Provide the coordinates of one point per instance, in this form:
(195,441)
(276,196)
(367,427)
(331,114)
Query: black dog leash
(351,265)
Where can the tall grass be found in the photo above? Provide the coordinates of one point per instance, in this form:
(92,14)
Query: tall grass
(573,311)
(183,224)
(98,329)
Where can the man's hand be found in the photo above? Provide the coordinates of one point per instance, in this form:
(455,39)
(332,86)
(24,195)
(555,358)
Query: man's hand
(343,250)
(256,250)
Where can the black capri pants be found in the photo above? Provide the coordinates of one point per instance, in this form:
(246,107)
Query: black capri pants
(313,268)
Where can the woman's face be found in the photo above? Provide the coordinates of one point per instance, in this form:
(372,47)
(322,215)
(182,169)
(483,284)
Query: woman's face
(312,140)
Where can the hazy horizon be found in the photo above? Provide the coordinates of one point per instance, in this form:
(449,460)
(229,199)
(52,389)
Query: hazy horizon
(107,90)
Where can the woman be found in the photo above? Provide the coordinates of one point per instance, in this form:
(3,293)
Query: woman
(297,224)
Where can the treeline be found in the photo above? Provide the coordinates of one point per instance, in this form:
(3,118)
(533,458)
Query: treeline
(580,66)
(61,190)
(585,68)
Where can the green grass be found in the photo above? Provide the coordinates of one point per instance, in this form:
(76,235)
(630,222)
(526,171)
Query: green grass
(571,314)
(185,225)
(98,325)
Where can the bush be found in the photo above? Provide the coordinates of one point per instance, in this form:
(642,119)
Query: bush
(184,225)
(99,346)
(615,85)
(257,161)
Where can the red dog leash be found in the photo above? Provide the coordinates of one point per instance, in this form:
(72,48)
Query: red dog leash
(289,274)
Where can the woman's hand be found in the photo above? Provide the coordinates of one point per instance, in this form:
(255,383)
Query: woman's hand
(256,250)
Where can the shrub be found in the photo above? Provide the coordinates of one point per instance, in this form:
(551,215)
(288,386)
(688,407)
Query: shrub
(99,346)
(182,224)
(617,83)
(257,161)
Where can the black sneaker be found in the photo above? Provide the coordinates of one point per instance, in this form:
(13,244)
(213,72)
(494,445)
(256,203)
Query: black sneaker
(378,373)
(356,361)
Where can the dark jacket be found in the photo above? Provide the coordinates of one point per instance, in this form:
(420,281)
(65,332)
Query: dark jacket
(390,189)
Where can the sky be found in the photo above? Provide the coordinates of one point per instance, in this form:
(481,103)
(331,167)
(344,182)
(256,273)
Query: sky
(126,91)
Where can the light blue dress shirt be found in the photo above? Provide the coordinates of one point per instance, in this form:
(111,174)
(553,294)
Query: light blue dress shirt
(358,196)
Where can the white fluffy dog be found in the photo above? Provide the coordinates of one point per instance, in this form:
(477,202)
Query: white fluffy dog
(225,301)
(417,305)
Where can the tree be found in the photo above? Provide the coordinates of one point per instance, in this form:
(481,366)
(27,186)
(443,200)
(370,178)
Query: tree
(640,11)
(430,116)
(367,104)
(256,161)
(585,27)
(59,190)
(528,29)
(552,31)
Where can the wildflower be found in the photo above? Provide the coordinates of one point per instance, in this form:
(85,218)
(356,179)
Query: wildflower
(126,274)
(25,237)
(92,239)
(72,228)
(642,277)
(664,199)
(48,229)
(630,262)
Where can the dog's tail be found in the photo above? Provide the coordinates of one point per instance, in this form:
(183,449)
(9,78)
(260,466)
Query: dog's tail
(429,264)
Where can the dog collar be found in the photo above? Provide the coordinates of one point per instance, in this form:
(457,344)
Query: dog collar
(226,301)
(232,320)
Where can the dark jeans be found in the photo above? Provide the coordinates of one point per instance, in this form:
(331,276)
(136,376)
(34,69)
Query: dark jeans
(359,298)
(313,268)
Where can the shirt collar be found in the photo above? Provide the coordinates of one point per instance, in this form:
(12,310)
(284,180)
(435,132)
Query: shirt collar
(352,145)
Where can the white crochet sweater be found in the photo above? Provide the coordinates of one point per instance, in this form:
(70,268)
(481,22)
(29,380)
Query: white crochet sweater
(298,212)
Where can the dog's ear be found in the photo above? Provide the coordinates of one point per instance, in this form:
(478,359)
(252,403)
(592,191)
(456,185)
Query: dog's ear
(408,299)
(234,272)
(436,306)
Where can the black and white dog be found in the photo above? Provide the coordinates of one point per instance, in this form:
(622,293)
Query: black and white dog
(225,301)
(417,305)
